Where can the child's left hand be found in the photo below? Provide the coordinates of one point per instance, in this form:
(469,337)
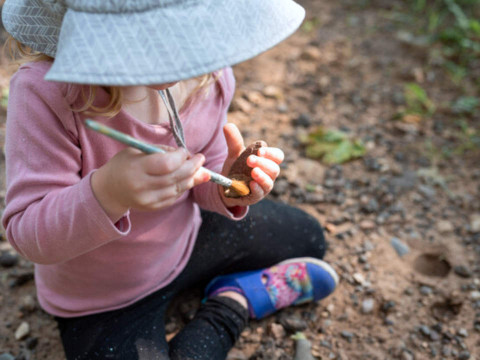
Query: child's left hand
(265,168)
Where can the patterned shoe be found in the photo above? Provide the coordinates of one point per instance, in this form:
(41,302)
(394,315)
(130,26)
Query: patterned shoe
(291,282)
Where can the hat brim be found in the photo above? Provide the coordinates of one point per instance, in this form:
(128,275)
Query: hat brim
(165,44)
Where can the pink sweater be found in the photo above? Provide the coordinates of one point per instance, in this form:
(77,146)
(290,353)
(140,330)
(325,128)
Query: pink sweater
(84,262)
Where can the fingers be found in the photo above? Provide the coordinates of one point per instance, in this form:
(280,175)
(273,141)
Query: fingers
(234,140)
(268,166)
(164,163)
(187,170)
(274,154)
(262,179)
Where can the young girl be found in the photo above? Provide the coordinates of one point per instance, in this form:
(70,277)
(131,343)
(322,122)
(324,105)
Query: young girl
(116,233)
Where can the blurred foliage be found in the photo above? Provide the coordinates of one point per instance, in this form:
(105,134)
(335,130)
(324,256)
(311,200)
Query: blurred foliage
(455,26)
(465,105)
(332,146)
(417,100)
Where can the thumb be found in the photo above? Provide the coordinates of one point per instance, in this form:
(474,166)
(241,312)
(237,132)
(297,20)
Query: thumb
(234,140)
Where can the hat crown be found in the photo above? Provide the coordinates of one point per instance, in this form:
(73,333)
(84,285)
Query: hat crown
(123,6)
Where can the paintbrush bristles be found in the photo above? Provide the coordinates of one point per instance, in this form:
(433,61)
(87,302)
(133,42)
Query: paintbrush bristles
(240,187)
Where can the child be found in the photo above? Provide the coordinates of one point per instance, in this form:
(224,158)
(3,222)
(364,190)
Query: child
(116,233)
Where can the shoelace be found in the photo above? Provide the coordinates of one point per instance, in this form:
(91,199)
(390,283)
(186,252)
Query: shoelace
(175,124)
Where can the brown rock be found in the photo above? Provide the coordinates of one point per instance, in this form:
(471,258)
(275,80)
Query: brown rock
(240,170)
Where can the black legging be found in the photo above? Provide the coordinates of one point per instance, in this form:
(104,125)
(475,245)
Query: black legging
(272,232)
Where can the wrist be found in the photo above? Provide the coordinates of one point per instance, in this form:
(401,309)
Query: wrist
(108,201)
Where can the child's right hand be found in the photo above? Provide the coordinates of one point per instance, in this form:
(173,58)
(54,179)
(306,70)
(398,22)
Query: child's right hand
(132,179)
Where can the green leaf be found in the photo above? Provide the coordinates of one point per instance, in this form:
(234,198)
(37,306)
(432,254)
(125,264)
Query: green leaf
(417,100)
(333,146)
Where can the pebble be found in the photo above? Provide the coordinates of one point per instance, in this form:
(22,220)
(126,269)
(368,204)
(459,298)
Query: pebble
(303,120)
(388,305)
(426,290)
(464,355)
(400,247)
(31,343)
(273,91)
(277,331)
(7,356)
(348,335)
(445,226)
(475,223)
(427,191)
(463,271)
(367,225)
(462,332)
(27,303)
(359,278)
(368,305)
(22,331)
(8,259)
(425,330)
(475,295)
(293,323)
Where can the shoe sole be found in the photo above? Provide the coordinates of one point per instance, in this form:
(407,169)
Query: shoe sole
(325,266)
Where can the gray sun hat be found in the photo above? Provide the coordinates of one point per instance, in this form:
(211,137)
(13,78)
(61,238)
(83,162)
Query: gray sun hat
(122,42)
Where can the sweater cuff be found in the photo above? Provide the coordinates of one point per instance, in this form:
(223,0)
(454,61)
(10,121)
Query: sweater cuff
(111,230)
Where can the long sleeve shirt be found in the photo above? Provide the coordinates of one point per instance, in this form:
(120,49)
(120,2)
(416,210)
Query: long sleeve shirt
(85,263)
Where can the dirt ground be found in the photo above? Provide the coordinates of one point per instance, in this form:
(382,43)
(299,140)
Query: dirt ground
(403,222)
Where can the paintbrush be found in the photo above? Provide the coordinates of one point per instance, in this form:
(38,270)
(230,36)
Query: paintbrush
(241,187)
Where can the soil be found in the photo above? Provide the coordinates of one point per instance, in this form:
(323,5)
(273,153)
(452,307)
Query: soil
(403,222)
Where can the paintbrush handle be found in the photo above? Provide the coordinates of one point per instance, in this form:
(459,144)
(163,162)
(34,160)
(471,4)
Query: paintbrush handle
(147,148)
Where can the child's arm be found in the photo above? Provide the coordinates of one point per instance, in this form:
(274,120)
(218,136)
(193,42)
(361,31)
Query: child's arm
(51,214)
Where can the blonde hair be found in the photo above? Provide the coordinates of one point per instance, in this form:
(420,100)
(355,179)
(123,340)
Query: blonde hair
(21,53)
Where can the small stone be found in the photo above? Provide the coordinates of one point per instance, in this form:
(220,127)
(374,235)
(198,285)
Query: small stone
(388,305)
(445,226)
(7,356)
(277,331)
(31,343)
(359,278)
(446,351)
(400,247)
(407,355)
(303,120)
(22,331)
(425,330)
(311,53)
(8,259)
(426,290)
(427,191)
(475,295)
(27,303)
(434,336)
(348,335)
(367,306)
(273,91)
(242,105)
(462,332)
(464,355)
(462,271)
(367,225)
(475,223)
(293,323)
